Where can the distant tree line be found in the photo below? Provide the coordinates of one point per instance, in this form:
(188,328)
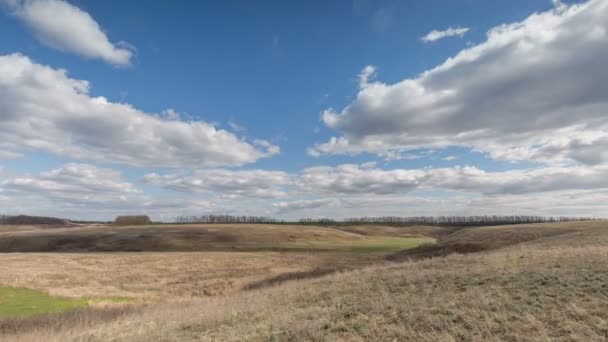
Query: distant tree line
(487,220)
(226,219)
(318,221)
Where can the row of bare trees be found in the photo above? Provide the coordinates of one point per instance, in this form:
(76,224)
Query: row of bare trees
(317,221)
(487,220)
(226,219)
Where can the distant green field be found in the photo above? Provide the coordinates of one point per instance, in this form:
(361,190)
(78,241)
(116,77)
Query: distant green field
(20,302)
(372,244)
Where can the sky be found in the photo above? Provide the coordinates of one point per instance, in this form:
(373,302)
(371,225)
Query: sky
(303,109)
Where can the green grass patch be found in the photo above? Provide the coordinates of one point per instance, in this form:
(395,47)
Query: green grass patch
(372,244)
(20,302)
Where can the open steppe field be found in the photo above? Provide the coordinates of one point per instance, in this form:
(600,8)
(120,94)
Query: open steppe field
(538,282)
(200,238)
(109,266)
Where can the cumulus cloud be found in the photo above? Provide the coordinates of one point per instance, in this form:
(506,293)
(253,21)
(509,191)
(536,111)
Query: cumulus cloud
(353,179)
(569,203)
(349,179)
(524,94)
(436,35)
(240,183)
(357,190)
(65,27)
(88,192)
(91,192)
(290,206)
(43,109)
(72,182)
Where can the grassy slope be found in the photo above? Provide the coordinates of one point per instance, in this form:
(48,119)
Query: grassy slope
(552,287)
(154,276)
(198,238)
(233,257)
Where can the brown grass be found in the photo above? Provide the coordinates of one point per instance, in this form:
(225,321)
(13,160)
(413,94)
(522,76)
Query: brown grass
(87,317)
(545,283)
(162,238)
(161,276)
(466,240)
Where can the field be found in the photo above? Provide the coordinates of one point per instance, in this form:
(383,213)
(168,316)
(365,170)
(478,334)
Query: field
(189,238)
(534,282)
(179,262)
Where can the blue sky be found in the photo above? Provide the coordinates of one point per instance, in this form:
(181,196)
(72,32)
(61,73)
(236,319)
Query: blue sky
(337,139)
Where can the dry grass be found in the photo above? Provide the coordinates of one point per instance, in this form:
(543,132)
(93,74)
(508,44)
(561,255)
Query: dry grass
(502,236)
(86,317)
(161,276)
(163,238)
(234,257)
(538,286)
(476,239)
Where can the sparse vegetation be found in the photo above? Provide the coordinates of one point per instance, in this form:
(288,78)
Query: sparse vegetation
(164,238)
(520,282)
(205,260)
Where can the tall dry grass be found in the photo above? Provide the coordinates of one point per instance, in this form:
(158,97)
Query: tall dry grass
(162,276)
(552,290)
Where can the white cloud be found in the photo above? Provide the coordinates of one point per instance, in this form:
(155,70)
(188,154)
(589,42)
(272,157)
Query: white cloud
(358,190)
(367,178)
(41,108)
(239,183)
(436,35)
(560,203)
(290,206)
(170,114)
(534,90)
(65,27)
(351,179)
(89,192)
(73,181)
(84,191)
